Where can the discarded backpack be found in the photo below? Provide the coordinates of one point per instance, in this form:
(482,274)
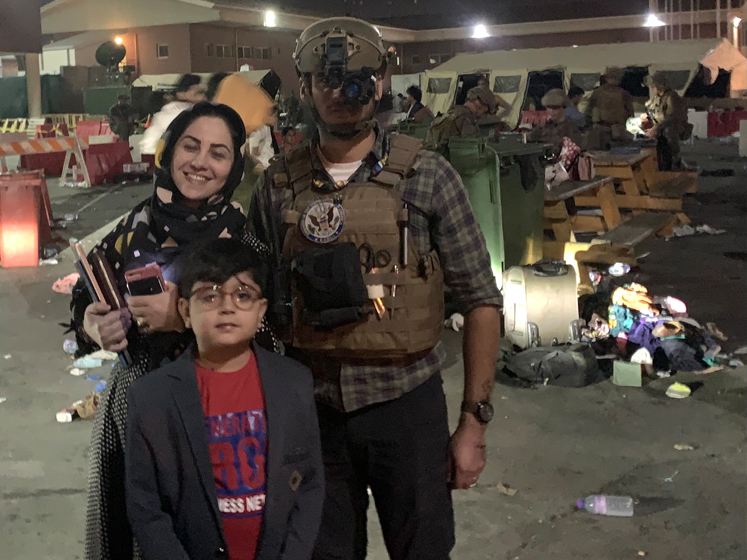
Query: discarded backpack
(569,365)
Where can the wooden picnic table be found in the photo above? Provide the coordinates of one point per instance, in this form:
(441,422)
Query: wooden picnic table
(642,185)
(635,172)
(598,193)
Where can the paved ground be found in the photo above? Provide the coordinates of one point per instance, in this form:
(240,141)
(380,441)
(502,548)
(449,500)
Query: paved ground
(553,445)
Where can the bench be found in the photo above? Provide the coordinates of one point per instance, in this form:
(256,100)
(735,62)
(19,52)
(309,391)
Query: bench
(637,229)
(596,193)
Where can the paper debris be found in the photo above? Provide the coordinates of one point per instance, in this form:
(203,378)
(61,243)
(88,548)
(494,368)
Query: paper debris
(2,400)
(507,490)
(684,447)
(77,372)
(65,285)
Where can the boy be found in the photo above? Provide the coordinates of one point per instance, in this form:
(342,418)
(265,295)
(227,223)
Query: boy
(222,457)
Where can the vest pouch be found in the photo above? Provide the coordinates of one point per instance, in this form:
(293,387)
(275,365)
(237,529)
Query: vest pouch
(330,278)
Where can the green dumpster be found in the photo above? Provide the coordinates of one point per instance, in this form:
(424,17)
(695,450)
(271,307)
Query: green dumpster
(504,179)
(416,130)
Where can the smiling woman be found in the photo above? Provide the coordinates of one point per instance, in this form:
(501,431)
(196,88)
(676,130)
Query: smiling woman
(202,160)
(199,164)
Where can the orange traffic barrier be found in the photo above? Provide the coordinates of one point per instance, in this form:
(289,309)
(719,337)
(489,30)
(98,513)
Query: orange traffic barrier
(72,146)
(25,218)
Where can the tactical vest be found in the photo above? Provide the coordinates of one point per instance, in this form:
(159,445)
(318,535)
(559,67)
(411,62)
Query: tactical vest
(373,213)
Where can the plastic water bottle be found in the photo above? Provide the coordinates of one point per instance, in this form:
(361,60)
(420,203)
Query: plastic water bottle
(70,346)
(618,506)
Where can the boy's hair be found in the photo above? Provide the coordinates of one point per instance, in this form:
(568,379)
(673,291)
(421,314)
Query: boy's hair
(416,93)
(217,261)
(575,91)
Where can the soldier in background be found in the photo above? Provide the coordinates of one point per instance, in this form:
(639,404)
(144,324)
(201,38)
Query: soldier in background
(668,114)
(122,118)
(557,125)
(609,109)
(461,121)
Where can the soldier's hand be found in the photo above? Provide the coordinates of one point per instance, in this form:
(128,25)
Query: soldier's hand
(468,453)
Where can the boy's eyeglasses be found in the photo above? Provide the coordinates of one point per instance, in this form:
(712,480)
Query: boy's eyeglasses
(211,297)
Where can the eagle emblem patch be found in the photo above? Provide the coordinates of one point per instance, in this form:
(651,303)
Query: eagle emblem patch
(322,221)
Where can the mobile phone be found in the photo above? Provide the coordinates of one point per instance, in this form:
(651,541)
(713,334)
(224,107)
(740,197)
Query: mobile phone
(145,281)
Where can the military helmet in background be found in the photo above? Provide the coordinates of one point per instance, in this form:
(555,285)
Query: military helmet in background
(485,96)
(555,98)
(614,74)
(658,79)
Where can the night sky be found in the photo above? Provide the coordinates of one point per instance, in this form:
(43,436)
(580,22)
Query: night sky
(434,14)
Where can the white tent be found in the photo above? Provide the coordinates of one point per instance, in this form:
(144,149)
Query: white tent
(582,66)
(400,82)
(168,81)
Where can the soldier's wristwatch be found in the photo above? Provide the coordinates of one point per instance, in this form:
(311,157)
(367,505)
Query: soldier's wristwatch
(483,410)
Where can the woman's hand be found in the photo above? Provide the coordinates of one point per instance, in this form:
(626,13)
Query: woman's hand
(157,313)
(106,327)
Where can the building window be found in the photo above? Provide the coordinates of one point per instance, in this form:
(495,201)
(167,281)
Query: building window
(244,52)
(210,49)
(162,51)
(224,51)
(263,53)
(438,58)
(415,59)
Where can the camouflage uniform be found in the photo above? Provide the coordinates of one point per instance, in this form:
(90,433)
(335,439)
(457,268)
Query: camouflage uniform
(553,132)
(459,122)
(609,109)
(669,115)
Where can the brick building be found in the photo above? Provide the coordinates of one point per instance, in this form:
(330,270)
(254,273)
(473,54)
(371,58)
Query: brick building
(177,36)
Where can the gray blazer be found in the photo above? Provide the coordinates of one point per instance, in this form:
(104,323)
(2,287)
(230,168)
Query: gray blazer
(172,503)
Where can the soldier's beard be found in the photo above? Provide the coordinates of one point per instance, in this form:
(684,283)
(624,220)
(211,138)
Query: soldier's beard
(348,130)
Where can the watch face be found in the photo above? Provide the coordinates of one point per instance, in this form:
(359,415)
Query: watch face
(485,412)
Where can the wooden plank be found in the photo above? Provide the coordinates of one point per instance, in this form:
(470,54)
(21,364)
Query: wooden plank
(606,158)
(648,203)
(588,223)
(568,189)
(607,254)
(563,231)
(637,229)
(674,184)
(615,171)
(609,205)
(555,211)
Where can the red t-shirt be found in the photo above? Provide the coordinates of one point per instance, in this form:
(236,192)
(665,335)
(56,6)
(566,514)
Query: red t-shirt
(236,426)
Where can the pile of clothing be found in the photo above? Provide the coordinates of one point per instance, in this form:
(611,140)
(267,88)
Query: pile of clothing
(659,325)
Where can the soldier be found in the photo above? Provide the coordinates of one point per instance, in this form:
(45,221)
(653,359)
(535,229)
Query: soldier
(374,227)
(668,114)
(122,118)
(609,109)
(461,121)
(557,125)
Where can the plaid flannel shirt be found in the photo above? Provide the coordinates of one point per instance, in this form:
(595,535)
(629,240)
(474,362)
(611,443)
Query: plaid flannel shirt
(441,218)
